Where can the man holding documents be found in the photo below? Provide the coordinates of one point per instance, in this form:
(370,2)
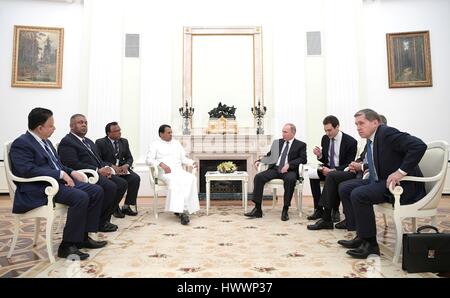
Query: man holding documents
(115,150)
(337,151)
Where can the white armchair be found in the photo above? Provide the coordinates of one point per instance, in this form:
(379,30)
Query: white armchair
(49,212)
(434,168)
(158,185)
(276,183)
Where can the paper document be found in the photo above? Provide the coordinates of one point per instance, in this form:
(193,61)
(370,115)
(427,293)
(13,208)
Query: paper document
(312,172)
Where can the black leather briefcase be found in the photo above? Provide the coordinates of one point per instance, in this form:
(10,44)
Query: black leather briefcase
(426,252)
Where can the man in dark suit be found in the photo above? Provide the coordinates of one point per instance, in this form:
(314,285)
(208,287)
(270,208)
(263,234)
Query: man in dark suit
(33,155)
(391,155)
(114,150)
(284,158)
(330,194)
(338,151)
(79,152)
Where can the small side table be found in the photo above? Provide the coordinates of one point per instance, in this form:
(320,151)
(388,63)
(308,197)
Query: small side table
(235,176)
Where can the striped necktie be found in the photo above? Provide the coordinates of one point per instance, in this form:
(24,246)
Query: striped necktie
(116,149)
(50,154)
(283,156)
(86,144)
(332,164)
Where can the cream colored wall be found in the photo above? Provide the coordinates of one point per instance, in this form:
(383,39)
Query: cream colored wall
(130,116)
(315,102)
(284,20)
(16,103)
(154,21)
(420,111)
(315,83)
(131,86)
(222,70)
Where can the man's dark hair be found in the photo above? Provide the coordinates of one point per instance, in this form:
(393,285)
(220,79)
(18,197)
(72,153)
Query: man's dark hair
(38,116)
(383,119)
(333,120)
(75,116)
(108,126)
(162,128)
(369,114)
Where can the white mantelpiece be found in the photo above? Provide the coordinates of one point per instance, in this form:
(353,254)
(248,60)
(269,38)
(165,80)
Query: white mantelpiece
(229,146)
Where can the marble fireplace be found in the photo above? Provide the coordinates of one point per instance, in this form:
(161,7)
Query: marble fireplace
(209,149)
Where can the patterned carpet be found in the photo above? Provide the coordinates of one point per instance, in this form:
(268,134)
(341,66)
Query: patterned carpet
(223,244)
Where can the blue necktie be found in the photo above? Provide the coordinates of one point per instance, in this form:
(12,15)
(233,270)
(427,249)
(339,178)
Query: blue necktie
(52,156)
(283,156)
(332,165)
(372,175)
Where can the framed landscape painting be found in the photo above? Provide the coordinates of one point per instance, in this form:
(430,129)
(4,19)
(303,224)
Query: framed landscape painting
(37,57)
(409,59)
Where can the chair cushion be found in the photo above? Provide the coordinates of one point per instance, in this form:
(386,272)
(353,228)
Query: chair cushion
(385,206)
(279,182)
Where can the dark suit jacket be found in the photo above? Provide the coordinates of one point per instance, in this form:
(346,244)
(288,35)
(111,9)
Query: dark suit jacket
(29,159)
(362,155)
(347,151)
(75,154)
(296,155)
(392,150)
(106,151)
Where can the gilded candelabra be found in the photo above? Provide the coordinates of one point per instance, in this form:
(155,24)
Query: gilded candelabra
(259,112)
(186,112)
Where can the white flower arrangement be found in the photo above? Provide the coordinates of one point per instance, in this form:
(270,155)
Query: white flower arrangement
(227,167)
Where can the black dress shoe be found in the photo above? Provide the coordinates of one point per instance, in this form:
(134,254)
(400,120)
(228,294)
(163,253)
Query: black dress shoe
(321,225)
(129,211)
(335,216)
(108,227)
(354,243)
(284,215)
(257,213)
(364,250)
(91,243)
(316,215)
(71,252)
(341,225)
(184,218)
(118,213)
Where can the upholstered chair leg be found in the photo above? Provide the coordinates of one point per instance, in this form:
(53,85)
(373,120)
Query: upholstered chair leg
(398,239)
(15,236)
(414,224)
(49,239)
(299,201)
(155,205)
(274,197)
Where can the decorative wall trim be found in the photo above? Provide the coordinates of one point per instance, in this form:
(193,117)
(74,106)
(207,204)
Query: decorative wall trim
(256,32)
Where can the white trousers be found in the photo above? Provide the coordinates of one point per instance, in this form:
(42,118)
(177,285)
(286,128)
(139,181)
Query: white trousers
(182,192)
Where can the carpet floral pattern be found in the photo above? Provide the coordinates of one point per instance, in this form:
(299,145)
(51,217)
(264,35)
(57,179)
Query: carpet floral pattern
(223,244)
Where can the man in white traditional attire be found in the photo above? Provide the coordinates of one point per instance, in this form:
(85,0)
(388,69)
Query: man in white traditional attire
(169,156)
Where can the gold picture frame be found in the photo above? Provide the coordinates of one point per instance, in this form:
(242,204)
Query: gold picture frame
(409,59)
(37,57)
